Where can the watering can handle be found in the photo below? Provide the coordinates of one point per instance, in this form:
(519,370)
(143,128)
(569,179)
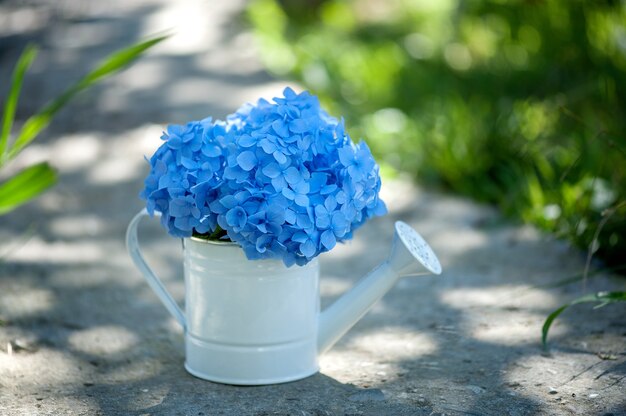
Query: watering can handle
(132,244)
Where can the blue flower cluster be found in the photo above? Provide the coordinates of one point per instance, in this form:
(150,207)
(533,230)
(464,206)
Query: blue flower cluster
(282,178)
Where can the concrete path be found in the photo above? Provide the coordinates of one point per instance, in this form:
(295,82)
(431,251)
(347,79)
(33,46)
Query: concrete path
(82,334)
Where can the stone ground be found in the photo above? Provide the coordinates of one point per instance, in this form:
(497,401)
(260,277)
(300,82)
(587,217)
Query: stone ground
(82,334)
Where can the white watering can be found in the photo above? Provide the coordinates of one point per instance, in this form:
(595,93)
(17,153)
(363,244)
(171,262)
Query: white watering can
(259,322)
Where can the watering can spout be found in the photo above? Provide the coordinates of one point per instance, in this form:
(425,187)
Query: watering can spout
(410,256)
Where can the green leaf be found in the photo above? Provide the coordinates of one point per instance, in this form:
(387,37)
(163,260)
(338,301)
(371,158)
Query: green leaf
(23,63)
(118,60)
(25,185)
(604,298)
(112,64)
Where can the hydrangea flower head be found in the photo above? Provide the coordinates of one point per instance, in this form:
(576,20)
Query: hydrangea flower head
(282,179)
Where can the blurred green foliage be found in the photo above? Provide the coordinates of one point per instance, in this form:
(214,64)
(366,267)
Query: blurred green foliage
(517,103)
(23,186)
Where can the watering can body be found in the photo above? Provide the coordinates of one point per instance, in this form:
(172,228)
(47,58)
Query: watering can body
(259,322)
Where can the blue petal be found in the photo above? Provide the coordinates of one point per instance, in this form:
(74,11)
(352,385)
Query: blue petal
(355,173)
(290,217)
(263,243)
(255,218)
(262,227)
(300,237)
(236,217)
(179,208)
(301,200)
(349,212)
(381,208)
(247,160)
(322,222)
(308,248)
(272,170)
(328,189)
(280,128)
(341,197)
(292,175)
(304,222)
(267,146)
(288,193)
(182,223)
(160,168)
(318,180)
(346,155)
(275,215)
(280,157)
(340,224)
(274,229)
(246,140)
(217,207)
(211,150)
(235,173)
(320,211)
(330,203)
(279,183)
(299,126)
(328,239)
(301,187)
(175,129)
(174,142)
(188,163)
(289,93)
(229,201)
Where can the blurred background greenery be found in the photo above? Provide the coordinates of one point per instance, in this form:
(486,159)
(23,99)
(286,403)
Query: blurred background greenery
(516,103)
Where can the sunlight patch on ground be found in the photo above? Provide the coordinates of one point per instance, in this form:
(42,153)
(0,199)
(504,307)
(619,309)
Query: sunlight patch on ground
(397,342)
(458,242)
(146,74)
(21,300)
(187,19)
(353,367)
(114,170)
(511,330)
(505,296)
(76,152)
(32,369)
(143,141)
(351,361)
(114,167)
(103,340)
(505,315)
(39,251)
(202,91)
(77,226)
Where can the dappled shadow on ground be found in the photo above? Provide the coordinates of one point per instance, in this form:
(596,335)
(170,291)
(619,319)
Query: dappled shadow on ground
(480,322)
(95,339)
(167,86)
(465,342)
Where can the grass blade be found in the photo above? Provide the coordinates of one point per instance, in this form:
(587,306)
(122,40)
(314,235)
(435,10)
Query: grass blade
(25,185)
(548,323)
(604,298)
(24,62)
(112,64)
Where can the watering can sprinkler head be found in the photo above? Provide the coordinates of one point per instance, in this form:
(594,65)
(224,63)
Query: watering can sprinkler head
(408,246)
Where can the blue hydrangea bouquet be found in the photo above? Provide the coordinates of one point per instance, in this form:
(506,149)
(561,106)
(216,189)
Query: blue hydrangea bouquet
(282,179)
